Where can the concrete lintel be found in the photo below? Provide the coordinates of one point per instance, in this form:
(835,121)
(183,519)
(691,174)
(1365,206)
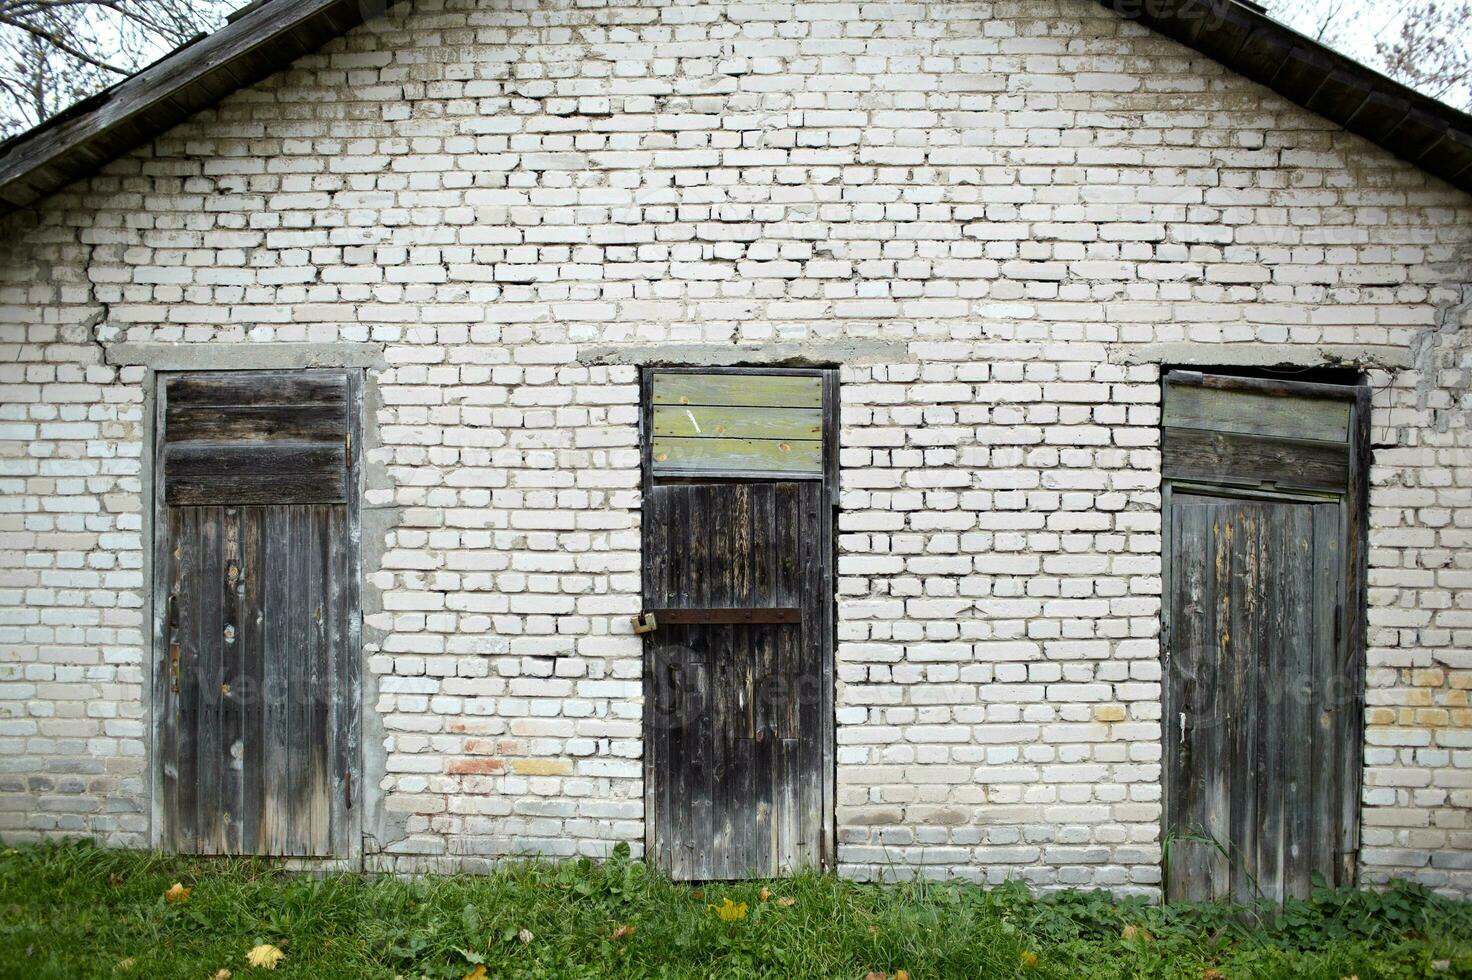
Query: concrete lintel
(245,356)
(1383,356)
(816,353)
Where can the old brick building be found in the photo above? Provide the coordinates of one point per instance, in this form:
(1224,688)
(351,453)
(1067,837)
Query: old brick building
(403,276)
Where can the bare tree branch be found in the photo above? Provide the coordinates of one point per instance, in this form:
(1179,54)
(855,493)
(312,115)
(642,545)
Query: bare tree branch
(54,53)
(1432,50)
(1426,44)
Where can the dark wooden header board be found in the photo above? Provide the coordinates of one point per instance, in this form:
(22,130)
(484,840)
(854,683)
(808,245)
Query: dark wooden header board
(719,423)
(1250,431)
(248,437)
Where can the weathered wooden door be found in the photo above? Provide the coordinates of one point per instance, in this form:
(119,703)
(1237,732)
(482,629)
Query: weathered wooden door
(257,580)
(1264,666)
(738,590)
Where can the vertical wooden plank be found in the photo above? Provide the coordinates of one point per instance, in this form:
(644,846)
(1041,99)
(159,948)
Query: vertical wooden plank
(1329,694)
(765,639)
(163,709)
(741,727)
(1190,716)
(191,636)
(787,793)
(1268,683)
(231,691)
(1298,740)
(716,730)
(1218,779)
(690,748)
(827,642)
(275,722)
(172,733)
(194,613)
(1243,648)
(349,685)
(1353,609)
(338,685)
(651,727)
(207,665)
(659,689)
(315,803)
(301,631)
(251,679)
(814,685)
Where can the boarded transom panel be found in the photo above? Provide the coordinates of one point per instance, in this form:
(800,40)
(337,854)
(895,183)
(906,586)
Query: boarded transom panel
(257,689)
(1264,665)
(738,584)
(750,423)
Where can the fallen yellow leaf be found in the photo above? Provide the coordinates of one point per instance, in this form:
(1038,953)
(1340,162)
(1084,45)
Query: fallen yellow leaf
(479,973)
(1029,960)
(125,964)
(1135,932)
(222,974)
(177,893)
(787,903)
(621,932)
(728,910)
(901,975)
(876,975)
(265,956)
(764,894)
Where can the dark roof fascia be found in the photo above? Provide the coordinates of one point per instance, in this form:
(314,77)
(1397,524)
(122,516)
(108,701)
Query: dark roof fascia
(258,41)
(1415,127)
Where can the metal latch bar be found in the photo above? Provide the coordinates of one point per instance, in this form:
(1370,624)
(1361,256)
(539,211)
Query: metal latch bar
(726,615)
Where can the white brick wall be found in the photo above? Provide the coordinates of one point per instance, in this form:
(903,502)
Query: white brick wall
(1020,192)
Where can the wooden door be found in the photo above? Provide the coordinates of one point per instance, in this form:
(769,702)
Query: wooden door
(1264,668)
(738,590)
(258,618)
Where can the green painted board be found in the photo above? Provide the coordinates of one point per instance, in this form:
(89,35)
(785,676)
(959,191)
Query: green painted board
(1219,410)
(673,455)
(738,422)
(761,390)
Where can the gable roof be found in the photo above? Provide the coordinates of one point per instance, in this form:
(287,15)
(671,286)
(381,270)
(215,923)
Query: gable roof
(268,35)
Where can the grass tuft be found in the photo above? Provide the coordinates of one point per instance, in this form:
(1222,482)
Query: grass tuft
(75,910)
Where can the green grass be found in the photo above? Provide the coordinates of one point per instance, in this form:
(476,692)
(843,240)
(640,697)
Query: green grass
(74,910)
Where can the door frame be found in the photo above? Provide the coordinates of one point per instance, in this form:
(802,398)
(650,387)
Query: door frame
(828,840)
(1354,528)
(155,582)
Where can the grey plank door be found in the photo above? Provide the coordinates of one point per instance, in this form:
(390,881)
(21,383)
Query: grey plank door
(1261,706)
(738,679)
(1254,733)
(258,728)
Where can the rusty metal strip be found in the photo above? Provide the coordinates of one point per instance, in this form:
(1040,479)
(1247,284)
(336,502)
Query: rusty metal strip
(726,616)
